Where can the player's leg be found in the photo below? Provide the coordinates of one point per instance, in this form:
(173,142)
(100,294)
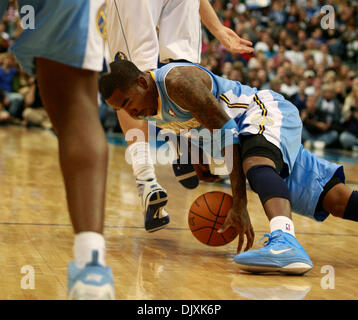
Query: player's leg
(180,39)
(282,252)
(275,198)
(66,64)
(341,202)
(180,31)
(131,31)
(70,98)
(139,43)
(153,197)
(270,143)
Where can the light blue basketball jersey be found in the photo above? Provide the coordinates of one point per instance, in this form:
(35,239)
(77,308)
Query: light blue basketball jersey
(231,95)
(255,112)
(66,31)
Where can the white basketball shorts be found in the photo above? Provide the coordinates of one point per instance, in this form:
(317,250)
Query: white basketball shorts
(148,31)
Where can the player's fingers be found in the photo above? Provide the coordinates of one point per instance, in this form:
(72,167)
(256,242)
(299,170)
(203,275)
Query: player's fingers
(241,242)
(224,227)
(250,240)
(246,42)
(247,49)
(241,49)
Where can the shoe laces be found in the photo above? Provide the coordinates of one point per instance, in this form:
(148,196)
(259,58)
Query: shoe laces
(272,239)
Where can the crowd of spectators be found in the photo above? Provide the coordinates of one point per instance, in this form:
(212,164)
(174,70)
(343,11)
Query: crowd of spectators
(301,51)
(20,101)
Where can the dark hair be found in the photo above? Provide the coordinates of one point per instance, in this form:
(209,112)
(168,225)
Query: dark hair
(123,75)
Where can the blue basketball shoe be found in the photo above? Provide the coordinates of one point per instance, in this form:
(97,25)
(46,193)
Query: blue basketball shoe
(93,282)
(153,198)
(281,253)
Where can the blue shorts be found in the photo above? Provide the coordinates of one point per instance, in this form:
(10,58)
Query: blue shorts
(306,182)
(68,31)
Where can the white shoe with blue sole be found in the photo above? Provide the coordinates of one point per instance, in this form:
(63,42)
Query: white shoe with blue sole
(281,253)
(154,198)
(93,282)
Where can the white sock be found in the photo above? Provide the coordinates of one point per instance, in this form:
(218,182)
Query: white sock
(142,163)
(282,223)
(85,243)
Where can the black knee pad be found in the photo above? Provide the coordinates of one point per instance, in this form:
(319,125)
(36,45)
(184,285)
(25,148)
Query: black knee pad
(267,183)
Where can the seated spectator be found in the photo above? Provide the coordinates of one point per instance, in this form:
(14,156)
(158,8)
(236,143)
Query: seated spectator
(340,91)
(350,101)
(250,29)
(326,58)
(329,77)
(317,126)
(22,82)
(289,87)
(271,69)
(4,39)
(275,84)
(34,113)
(309,60)
(295,55)
(311,9)
(236,75)
(280,58)
(351,80)
(309,76)
(299,100)
(349,137)
(329,105)
(277,13)
(226,69)
(263,44)
(317,36)
(292,26)
(7,74)
(262,77)
(4,115)
(317,84)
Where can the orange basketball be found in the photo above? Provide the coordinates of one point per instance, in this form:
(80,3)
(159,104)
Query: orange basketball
(206,216)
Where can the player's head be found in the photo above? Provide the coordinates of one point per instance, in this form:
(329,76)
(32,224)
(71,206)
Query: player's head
(128,88)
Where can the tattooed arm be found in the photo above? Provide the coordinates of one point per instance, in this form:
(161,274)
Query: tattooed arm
(189,87)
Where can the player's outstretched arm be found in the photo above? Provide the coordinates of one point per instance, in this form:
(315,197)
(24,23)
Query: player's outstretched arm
(189,88)
(228,38)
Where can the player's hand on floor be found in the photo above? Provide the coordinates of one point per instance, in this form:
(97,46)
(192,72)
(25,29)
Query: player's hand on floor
(238,218)
(232,42)
(204,174)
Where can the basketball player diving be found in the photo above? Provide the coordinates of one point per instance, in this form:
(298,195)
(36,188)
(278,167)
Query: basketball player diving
(169,30)
(265,148)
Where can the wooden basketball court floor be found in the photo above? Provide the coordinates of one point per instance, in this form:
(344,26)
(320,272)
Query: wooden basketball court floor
(35,233)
